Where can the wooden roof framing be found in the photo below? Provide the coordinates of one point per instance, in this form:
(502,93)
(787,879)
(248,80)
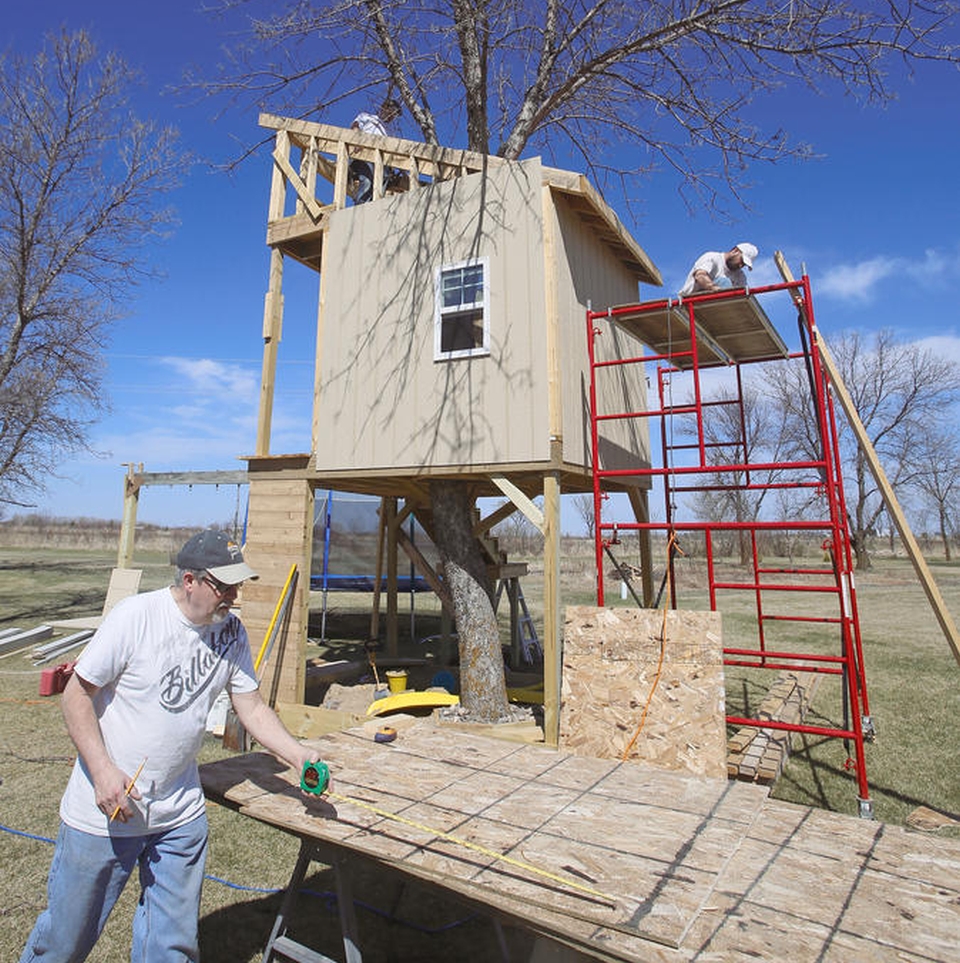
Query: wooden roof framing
(326,151)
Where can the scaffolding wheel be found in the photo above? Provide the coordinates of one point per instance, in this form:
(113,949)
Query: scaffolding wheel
(866,808)
(868,729)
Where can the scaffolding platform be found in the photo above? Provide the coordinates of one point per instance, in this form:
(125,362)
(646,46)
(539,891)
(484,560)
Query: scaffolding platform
(731,328)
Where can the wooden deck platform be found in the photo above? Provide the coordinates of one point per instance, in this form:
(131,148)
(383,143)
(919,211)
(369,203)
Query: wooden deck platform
(618,860)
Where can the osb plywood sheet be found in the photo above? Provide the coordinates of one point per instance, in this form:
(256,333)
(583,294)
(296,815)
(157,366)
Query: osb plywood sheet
(741,328)
(605,853)
(614,680)
(689,868)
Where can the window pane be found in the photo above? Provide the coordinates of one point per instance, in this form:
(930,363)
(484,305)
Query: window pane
(452,289)
(462,331)
(472,283)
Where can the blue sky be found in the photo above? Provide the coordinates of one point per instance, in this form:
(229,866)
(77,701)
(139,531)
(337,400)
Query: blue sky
(875,222)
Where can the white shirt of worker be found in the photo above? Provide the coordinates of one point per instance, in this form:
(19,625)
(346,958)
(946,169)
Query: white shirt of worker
(369,124)
(713,263)
(159,675)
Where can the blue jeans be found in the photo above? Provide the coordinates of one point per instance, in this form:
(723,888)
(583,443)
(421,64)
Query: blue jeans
(363,172)
(88,874)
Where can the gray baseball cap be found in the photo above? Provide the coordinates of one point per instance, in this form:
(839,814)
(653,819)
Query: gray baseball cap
(215,552)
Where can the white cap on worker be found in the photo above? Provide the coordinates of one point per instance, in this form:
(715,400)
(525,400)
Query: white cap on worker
(749,252)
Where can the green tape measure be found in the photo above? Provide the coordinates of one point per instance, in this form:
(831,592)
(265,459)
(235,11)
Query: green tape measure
(315,778)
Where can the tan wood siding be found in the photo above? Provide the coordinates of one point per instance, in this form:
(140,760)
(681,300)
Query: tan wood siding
(383,401)
(588,274)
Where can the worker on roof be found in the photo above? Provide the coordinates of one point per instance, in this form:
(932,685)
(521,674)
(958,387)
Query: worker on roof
(716,270)
(377,124)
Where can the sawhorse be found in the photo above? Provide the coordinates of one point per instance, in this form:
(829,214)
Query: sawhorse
(280,946)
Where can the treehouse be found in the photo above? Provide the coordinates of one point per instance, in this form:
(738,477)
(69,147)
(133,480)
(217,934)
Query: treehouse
(451,343)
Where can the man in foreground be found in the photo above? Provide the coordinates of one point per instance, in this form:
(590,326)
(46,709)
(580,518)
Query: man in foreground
(136,708)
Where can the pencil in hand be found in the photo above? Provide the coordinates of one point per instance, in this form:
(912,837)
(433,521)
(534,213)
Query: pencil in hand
(130,786)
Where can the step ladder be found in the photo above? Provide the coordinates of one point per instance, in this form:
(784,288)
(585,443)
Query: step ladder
(525,643)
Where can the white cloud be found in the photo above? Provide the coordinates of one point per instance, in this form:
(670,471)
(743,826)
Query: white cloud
(943,346)
(858,281)
(205,377)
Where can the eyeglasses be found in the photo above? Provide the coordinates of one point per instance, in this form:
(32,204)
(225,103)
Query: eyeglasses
(221,588)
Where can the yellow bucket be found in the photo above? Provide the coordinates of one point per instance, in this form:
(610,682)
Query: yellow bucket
(397,680)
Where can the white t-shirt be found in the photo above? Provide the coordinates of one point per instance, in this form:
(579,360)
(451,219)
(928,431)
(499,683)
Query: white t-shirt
(370,124)
(715,264)
(158,675)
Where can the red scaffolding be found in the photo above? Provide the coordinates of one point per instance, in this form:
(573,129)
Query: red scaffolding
(806,617)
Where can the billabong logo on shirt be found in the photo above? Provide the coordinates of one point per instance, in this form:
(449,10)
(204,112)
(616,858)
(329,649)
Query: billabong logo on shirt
(181,685)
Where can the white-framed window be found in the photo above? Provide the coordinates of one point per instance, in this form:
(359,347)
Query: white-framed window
(462,320)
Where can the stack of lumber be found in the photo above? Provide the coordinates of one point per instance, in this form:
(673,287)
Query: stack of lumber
(759,755)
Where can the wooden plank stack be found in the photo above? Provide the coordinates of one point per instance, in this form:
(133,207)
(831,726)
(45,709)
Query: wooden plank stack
(759,755)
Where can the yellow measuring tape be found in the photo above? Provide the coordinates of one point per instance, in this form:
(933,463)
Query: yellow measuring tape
(562,880)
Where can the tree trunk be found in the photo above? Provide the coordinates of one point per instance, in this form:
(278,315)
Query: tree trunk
(483,690)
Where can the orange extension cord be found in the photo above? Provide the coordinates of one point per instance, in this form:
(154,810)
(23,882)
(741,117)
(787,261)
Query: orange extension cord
(671,547)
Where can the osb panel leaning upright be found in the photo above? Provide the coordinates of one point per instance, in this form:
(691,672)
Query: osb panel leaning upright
(646,685)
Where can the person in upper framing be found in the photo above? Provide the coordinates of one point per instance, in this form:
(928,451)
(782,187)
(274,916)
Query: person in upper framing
(716,270)
(136,708)
(377,124)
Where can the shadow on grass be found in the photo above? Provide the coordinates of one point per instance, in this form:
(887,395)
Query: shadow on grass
(812,781)
(396,921)
(65,606)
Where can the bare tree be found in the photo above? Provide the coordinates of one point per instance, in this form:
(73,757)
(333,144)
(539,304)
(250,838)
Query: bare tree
(936,477)
(898,391)
(674,79)
(738,431)
(587,512)
(78,179)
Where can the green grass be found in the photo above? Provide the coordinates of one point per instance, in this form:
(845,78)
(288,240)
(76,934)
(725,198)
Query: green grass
(912,682)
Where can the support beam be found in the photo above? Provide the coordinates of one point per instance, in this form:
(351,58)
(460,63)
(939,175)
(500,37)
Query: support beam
(640,503)
(390,504)
(128,527)
(552,621)
(272,327)
(518,498)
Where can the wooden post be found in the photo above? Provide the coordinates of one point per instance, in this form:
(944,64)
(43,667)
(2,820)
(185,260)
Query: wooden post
(552,617)
(640,501)
(552,622)
(391,510)
(272,325)
(378,576)
(128,527)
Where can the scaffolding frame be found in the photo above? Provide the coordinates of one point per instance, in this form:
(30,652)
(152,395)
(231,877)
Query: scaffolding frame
(686,340)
